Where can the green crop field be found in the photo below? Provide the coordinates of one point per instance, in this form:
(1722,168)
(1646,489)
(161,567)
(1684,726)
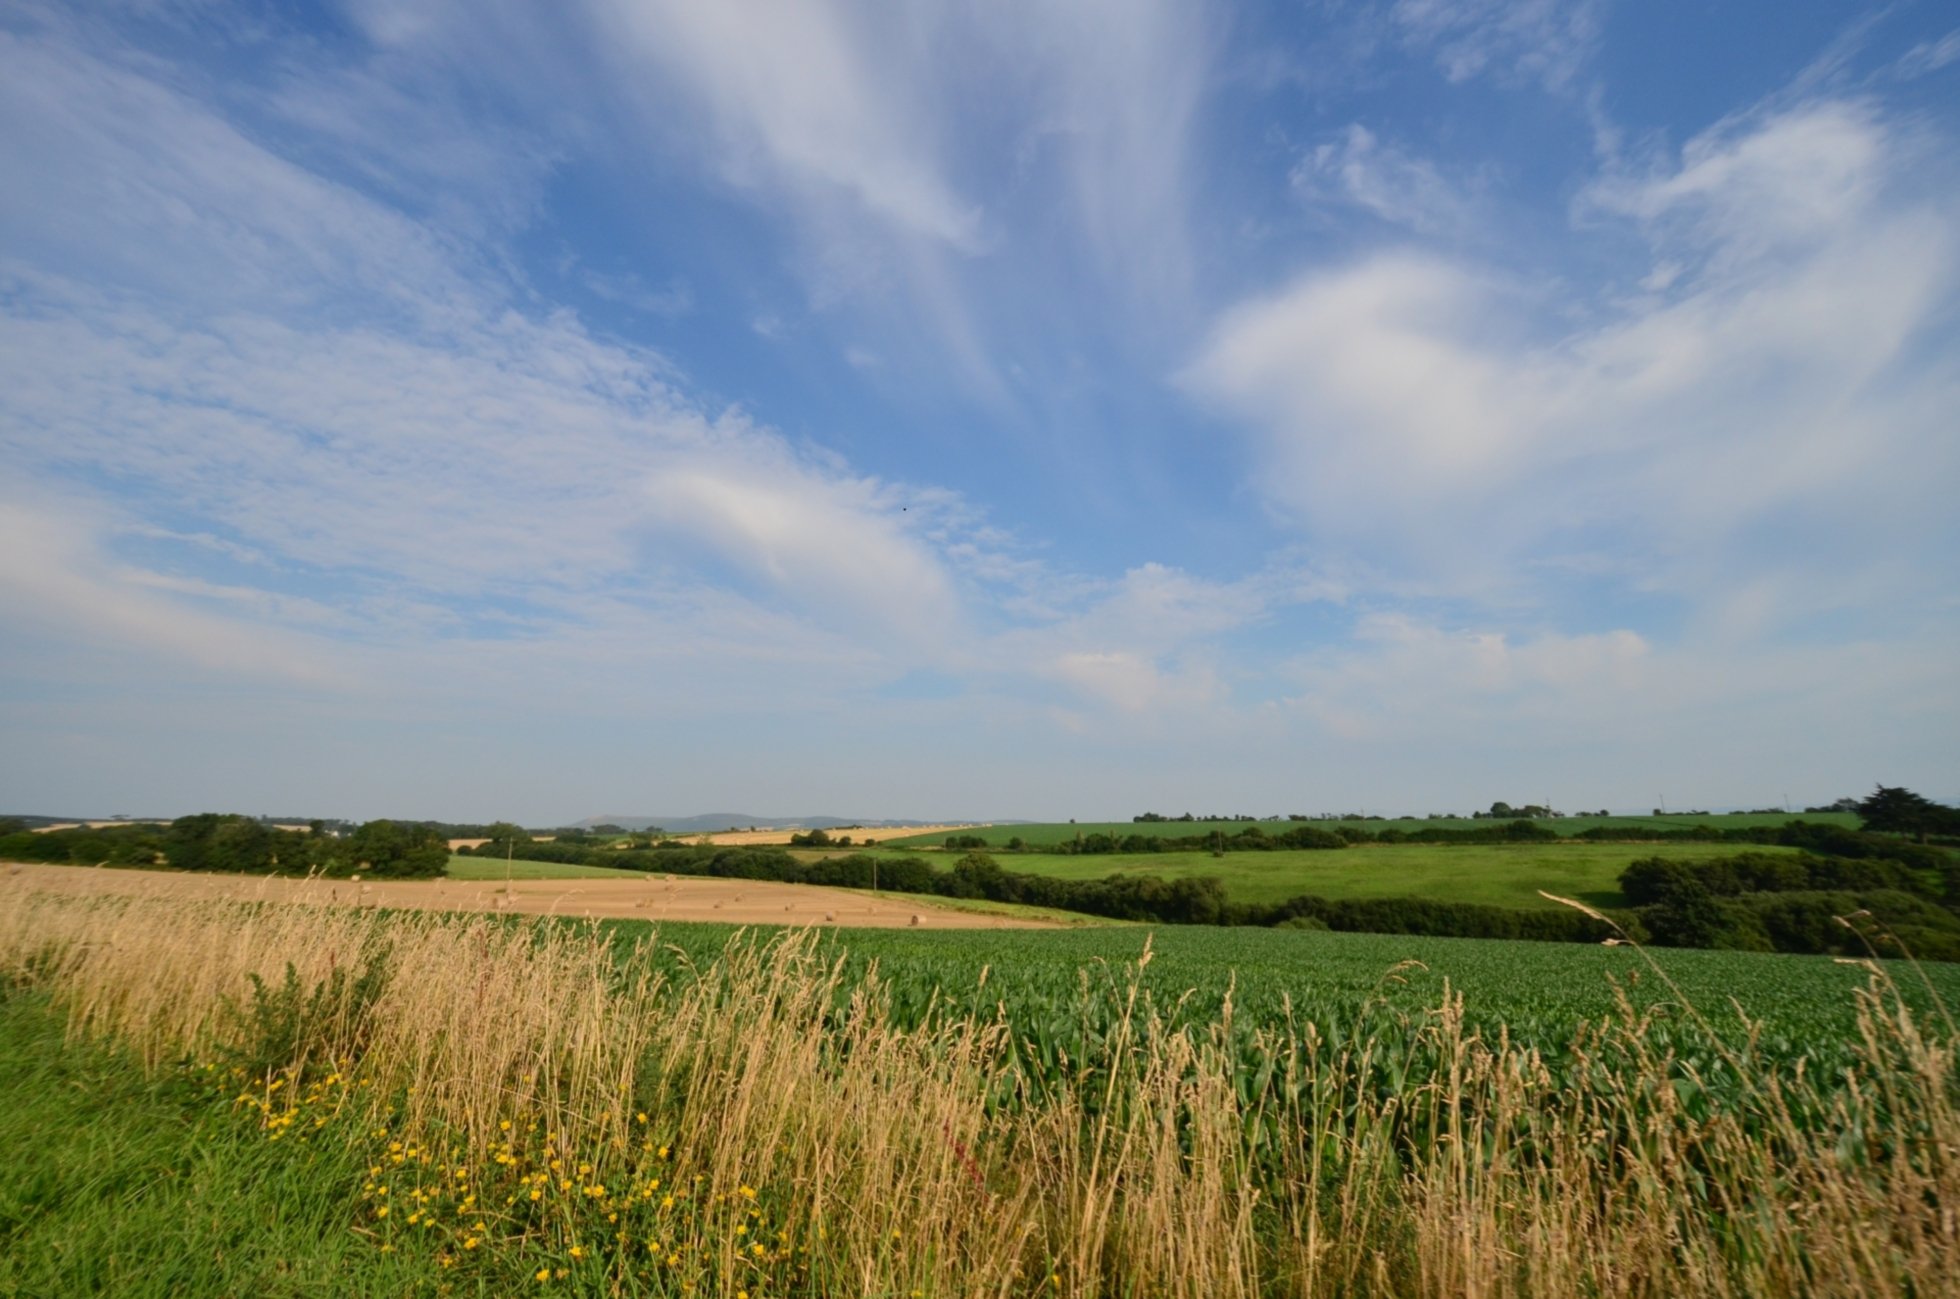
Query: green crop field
(1038,834)
(425,1103)
(1536,993)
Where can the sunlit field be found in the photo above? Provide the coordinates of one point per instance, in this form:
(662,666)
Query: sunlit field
(1509,875)
(1040,833)
(503,1105)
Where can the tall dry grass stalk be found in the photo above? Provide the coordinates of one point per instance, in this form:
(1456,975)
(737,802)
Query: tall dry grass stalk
(922,1160)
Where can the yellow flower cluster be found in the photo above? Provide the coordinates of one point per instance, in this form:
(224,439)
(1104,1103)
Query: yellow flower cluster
(532,1205)
(280,1108)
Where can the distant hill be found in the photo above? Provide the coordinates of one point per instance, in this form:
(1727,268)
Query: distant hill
(711,821)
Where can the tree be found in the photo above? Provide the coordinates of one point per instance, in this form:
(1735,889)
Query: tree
(389,848)
(1689,917)
(1654,880)
(1896,810)
(233,843)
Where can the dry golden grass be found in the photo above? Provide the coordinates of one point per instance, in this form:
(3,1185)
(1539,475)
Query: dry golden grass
(922,1161)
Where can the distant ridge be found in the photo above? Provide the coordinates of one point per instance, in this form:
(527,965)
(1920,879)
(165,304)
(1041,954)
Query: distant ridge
(711,821)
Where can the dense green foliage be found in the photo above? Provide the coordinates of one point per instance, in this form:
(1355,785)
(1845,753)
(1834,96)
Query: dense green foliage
(1900,811)
(1791,902)
(241,845)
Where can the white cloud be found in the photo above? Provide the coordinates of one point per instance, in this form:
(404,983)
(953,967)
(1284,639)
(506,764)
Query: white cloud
(1928,57)
(1547,41)
(1613,717)
(500,492)
(54,574)
(1133,683)
(629,290)
(827,546)
(1357,168)
(113,171)
(1149,642)
(1122,86)
(354,404)
(1398,674)
(1751,190)
(806,96)
(1770,379)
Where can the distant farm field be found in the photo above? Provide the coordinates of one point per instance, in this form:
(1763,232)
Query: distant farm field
(488,868)
(1038,834)
(1508,875)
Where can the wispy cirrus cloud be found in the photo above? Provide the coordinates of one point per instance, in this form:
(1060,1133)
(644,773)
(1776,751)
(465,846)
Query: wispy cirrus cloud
(637,379)
(1547,41)
(1357,168)
(389,477)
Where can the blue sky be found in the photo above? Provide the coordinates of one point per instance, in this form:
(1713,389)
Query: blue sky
(1029,410)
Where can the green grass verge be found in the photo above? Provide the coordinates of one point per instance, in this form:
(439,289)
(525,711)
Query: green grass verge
(117,1185)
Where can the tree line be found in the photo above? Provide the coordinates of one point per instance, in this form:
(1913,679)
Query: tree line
(234,844)
(1758,901)
(1899,886)
(1779,902)
(1256,838)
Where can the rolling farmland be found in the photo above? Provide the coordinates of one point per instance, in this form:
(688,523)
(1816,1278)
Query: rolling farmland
(1508,875)
(498,1104)
(1038,834)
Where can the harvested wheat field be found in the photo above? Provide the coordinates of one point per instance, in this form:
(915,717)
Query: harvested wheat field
(634,897)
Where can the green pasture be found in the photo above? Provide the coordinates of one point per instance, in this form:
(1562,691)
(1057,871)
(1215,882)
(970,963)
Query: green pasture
(1505,875)
(1038,834)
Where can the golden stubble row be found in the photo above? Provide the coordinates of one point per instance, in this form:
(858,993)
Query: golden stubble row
(1487,1175)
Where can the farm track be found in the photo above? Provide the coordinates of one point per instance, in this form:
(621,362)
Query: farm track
(737,902)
